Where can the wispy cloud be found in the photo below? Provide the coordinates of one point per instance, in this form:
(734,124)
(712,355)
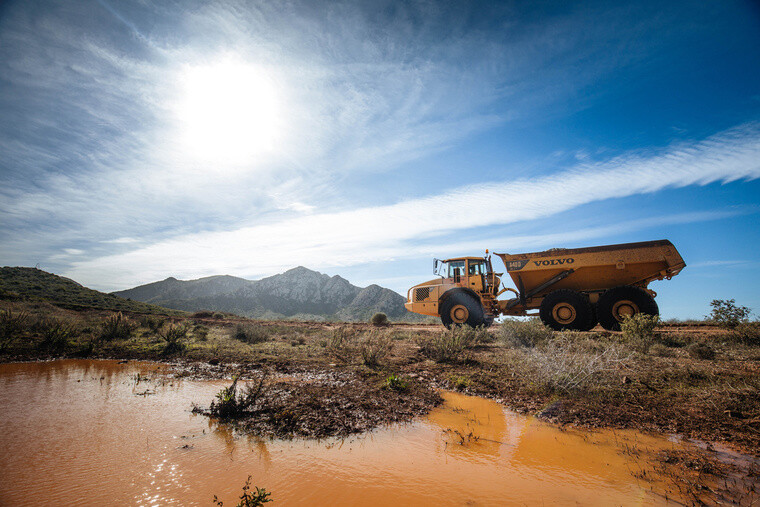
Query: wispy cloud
(387,232)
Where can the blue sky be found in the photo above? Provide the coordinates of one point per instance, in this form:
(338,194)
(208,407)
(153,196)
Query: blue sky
(142,140)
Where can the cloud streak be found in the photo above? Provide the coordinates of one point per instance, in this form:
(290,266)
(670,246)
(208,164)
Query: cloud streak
(387,232)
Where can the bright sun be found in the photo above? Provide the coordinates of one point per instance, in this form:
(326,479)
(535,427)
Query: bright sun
(229,113)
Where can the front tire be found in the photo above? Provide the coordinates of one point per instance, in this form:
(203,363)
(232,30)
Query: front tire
(566,309)
(462,309)
(620,302)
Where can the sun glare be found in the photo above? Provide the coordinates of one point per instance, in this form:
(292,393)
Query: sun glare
(228,113)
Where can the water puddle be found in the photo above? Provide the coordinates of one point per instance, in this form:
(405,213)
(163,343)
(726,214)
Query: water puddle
(101,432)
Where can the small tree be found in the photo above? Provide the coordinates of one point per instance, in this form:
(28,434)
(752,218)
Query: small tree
(725,313)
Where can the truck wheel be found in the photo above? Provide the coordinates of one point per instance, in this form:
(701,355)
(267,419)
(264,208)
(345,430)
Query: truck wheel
(567,309)
(620,302)
(462,309)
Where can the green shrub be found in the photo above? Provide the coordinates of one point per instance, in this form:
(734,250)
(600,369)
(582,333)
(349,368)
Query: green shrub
(524,333)
(725,313)
(395,383)
(116,327)
(701,351)
(448,346)
(229,404)
(639,330)
(374,347)
(154,324)
(251,333)
(201,332)
(459,382)
(379,319)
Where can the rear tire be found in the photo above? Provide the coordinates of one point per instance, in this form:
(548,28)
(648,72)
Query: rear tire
(567,309)
(462,309)
(619,302)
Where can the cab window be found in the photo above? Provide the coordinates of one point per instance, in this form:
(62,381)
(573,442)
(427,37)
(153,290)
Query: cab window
(456,268)
(477,268)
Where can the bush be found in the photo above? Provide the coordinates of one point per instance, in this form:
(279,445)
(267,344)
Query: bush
(524,333)
(230,404)
(701,351)
(174,336)
(725,313)
(747,333)
(342,344)
(11,325)
(251,333)
(639,330)
(56,335)
(449,345)
(374,348)
(379,319)
(203,314)
(153,323)
(201,332)
(116,327)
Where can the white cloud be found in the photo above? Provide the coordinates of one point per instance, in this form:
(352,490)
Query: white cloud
(386,232)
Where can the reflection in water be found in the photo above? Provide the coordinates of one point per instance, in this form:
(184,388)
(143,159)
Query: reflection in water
(99,432)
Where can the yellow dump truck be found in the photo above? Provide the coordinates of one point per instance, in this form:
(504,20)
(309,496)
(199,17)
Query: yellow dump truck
(571,288)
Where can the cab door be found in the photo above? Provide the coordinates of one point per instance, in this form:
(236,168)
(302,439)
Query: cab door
(476,271)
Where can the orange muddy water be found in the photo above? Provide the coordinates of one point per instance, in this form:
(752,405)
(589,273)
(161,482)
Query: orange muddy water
(94,433)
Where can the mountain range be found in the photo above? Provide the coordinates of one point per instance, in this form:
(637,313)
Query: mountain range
(298,293)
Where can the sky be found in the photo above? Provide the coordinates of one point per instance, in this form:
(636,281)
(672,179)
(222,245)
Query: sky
(147,139)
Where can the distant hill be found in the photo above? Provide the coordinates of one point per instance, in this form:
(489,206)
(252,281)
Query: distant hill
(299,293)
(32,283)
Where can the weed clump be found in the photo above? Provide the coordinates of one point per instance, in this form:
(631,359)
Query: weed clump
(116,327)
(395,383)
(747,333)
(524,333)
(379,319)
(230,404)
(374,347)
(450,345)
(154,324)
(725,313)
(55,335)
(342,344)
(251,333)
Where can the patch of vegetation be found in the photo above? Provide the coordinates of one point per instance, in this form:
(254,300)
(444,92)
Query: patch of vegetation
(379,319)
(524,333)
(11,325)
(459,382)
(251,333)
(55,335)
(701,351)
(450,345)
(747,333)
(342,344)
(153,323)
(230,404)
(174,336)
(726,313)
(116,327)
(395,383)
(250,498)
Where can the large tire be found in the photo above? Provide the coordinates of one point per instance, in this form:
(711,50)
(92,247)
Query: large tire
(567,309)
(619,302)
(462,309)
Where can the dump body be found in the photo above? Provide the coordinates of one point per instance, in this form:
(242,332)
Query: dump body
(592,270)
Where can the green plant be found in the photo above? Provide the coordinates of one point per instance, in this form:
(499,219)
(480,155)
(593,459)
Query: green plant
(639,329)
(229,404)
(374,347)
(395,383)
(379,319)
(524,333)
(250,498)
(725,313)
(251,333)
(701,351)
(116,327)
(449,345)
(483,335)
(201,332)
(459,382)
(152,323)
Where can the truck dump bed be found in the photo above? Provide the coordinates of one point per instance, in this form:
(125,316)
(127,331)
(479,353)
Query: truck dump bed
(593,269)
